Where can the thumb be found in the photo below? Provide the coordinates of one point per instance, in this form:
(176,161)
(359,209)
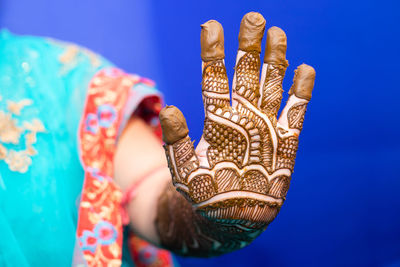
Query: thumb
(173,125)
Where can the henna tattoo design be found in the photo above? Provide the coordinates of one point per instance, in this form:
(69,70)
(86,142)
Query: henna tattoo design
(287,152)
(187,232)
(296,116)
(187,161)
(234,184)
(215,85)
(247,77)
(272,90)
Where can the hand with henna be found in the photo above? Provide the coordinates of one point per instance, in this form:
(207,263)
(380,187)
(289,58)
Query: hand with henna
(235,182)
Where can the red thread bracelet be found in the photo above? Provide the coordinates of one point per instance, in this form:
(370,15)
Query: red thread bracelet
(131,192)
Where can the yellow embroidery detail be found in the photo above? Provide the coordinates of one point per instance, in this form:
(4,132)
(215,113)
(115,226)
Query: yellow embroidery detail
(18,161)
(3,152)
(36,126)
(69,54)
(16,107)
(70,57)
(93,57)
(10,133)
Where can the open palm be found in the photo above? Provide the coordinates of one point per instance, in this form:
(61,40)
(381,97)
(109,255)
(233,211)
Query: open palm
(240,172)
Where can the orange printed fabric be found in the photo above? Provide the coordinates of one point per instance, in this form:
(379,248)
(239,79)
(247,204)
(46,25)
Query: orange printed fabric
(112,97)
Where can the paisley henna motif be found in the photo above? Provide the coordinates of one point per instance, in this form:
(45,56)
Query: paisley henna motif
(238,177)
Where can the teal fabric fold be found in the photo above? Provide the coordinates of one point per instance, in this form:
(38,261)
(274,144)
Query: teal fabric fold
(38,206)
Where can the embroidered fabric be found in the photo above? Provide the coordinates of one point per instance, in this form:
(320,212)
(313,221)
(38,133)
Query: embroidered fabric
(101,214)
(44,83)
(12,129)
(42,100)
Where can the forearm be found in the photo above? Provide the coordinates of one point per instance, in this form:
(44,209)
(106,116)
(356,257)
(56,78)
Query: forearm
(142,210)
(140,162)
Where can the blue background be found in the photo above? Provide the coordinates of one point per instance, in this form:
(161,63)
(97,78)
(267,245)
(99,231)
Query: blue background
(343,207)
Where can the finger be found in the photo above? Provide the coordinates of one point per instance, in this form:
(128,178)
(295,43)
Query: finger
(180,152)
(273,71)
(215,86)
(246,81)
(291,120)
(173,125)
(292,116)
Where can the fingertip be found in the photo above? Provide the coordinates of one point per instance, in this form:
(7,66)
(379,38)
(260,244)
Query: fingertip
(275,51)
(251,32)
(306,69)
(173,124)
(303,82)
(212,41)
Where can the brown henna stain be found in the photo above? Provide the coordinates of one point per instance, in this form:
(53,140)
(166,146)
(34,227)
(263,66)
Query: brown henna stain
(251,32)
(303,82)
(173,124)
(248,66)
(295,116)
(212,41)
(190,232)
(275,51)
(272,91)
(221,226)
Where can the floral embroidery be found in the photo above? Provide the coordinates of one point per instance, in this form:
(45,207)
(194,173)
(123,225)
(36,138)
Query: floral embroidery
(97,174)
(70,58)
(16,107)
(69,54)
(88,241)
(100,212)
(106,115)
(11,132)
(3,152)
(92,123)
(100,224)
(146,255)
(18,161)
(35,126)
(93,57)
(105,232)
